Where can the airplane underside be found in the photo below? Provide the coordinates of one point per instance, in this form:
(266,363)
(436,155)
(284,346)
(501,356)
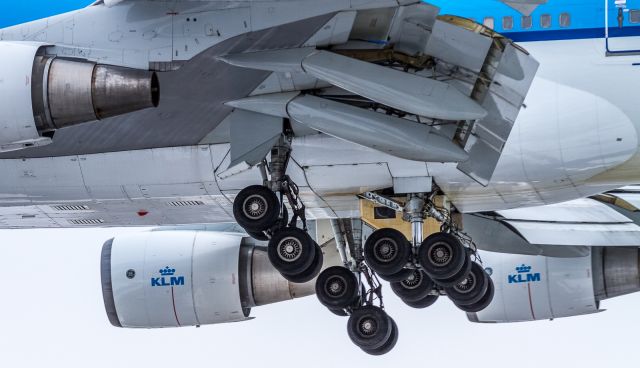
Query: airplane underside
(359,140)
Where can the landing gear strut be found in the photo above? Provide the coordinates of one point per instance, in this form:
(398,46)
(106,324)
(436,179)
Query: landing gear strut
(261,210)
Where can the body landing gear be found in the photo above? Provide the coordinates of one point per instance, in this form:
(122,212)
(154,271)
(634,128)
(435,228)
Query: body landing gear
(421,270)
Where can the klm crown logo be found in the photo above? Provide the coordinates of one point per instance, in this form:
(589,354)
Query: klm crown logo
(167,271)
(523,269)
(167,278)
(524,275)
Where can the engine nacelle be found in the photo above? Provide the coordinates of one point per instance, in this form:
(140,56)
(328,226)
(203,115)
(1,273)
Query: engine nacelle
(40,94)
(173,278)
(529,288)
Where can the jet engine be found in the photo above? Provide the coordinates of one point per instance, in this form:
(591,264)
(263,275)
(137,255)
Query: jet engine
(529,288)
(40,93)
(173,278)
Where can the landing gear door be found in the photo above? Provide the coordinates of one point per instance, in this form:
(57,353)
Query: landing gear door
(622,27)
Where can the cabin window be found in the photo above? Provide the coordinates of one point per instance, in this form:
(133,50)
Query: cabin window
(565,20)
(634,16)
(489,22)
(545,21)
(527,22)
(507,23)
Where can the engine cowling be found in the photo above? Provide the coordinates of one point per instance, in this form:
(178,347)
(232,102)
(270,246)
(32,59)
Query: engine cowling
(529,288)
(174,278)
(40,93)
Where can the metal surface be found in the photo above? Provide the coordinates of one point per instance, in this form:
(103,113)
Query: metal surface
(414,209)
(17,124)
(118,90)
(269,286)
(616,271)
(193,96)
(531,288)
(74,92)
(341,244)
(394,136)
(70,92)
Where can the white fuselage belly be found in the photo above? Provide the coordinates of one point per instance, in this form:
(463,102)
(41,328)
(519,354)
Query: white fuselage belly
(577,136)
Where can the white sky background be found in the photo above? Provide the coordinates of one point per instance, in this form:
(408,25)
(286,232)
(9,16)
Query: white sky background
(52,315)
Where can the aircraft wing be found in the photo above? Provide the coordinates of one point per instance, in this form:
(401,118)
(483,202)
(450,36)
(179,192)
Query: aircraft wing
(465,87)
(561,230)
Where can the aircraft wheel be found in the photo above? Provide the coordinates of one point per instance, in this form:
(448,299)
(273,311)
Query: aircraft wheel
(337,287)
(471,289)
(482,303)
(399,276)
(389,345)
(414,288)
(311,272)
(387,251)
(256,208)
(427,301)
(291,251)
(441,255)
(369,327)
(466,268)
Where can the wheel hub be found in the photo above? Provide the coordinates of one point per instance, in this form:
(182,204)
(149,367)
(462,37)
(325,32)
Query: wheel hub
(255,207)
(336,286)
(368,326)
(385,250)
(467,284)
(289,249)
(440,254)
(413,281)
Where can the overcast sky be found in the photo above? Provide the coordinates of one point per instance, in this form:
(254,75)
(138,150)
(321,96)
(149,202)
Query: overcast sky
(52,315)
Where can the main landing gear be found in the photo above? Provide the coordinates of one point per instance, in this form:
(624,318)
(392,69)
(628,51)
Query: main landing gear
(262,212)
(445,263)
(419,270)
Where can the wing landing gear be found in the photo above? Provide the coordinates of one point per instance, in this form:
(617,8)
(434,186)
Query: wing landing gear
(262,211)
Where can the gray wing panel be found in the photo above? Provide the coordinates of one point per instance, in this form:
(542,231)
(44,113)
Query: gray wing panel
(191,104)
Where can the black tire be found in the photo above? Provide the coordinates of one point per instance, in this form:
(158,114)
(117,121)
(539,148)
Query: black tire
(390,344)
(428,301)
(399,276)
(414,288)
(482,303)
(291,251)
(338,312)
(257,235)
(311,272)
(441,255)
(457,277)
(387,251)
(369,327)
(256,208)
(470,289)
(337,287)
